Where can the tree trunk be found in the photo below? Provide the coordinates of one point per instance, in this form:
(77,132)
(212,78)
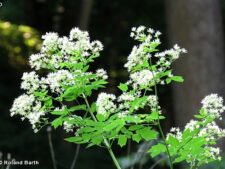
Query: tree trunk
(197,26)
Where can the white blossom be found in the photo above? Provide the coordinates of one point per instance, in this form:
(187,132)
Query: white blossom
(30,82)
(136,57)
(105,104)
(38,61)
(28,107)
(175,132)
(141,78)
(212,131)
(101,73)
(67,47)
(50,42)
(96,46)
(213,105)
(126,97)
(152,101)
(55,80)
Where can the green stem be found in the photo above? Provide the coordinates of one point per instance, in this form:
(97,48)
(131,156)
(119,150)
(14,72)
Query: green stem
(159,125)
(106,142)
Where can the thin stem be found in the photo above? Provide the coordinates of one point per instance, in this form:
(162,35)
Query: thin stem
(75,157)
(128,152)
(159,125)
(156,163)
(106,142)
(51,147)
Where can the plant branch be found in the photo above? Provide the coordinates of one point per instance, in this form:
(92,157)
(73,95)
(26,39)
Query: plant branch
(75,157)
(159,125)
(51,147)
(106,142)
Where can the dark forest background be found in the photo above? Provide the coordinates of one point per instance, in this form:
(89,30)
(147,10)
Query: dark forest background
(197,25)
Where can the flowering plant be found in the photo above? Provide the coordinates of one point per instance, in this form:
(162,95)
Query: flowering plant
(55,98)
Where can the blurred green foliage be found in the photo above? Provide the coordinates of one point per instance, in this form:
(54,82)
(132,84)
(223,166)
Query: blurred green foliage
(19,41)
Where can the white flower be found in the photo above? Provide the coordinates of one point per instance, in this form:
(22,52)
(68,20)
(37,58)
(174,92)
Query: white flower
(96,46)
(126,97)
(30,82)
(77,34)
(38,61)
(212,132)
(50,42)
(22,105)
(66,46)
(141,78)
(101,73)
(69,127)
(175,132)
(135,58)
(192,125)
(28,107)
(105,104)
(153,102)
(57,79)
(213,105)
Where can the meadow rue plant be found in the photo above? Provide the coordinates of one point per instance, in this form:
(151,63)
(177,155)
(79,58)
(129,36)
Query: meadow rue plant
(58,96)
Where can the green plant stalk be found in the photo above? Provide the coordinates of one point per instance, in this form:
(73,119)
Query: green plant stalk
(158,121)
(106,142)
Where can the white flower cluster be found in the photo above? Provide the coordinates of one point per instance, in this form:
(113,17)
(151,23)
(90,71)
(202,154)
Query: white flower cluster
(27,107)
(69,127)
(139,55)
(175,132)
(136,57)
(57,54)
(101,73)
(30,82)
(105,104)
(56,80)
(213,105)
(50,42)
(212,153)
(152,101)
(58,50)
(124,101)
(192,125)
(140,63)
(139,33)
(206,127)
(212,132)
(174,54)
(141,78)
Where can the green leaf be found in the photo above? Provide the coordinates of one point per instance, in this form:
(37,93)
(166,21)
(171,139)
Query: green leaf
(123,87)
(100,117)
(60,112)
(147,134)
(177,79)
(122,140)
(93,108)
(135,127)
(71,93)
(173,141)
(74,139)
(57,122)
(157,149)
(79,107)
(168,80)
(136,137)
(97,140)
(113,125)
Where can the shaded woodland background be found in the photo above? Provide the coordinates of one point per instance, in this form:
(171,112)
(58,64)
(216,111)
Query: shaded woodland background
(197,25)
